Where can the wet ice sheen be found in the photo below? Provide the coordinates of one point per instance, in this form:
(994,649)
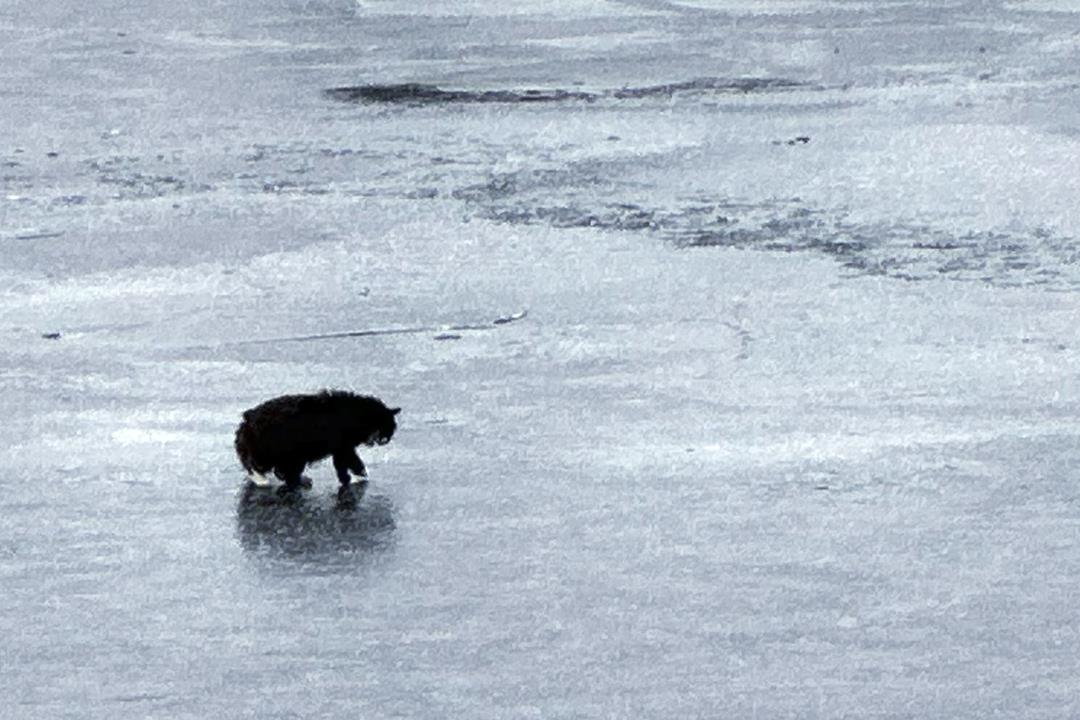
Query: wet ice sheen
(789,429)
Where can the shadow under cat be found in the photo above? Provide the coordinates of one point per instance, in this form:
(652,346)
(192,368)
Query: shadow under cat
(336,530)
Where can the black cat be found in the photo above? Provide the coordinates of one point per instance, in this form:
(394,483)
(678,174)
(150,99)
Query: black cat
(287,433)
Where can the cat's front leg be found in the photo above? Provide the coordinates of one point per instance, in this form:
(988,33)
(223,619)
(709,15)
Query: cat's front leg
(290,473)
(356,464)
(341,467)
(346,461)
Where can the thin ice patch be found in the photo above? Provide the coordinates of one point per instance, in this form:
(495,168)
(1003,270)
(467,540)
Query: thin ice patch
(586,196)
(424,94)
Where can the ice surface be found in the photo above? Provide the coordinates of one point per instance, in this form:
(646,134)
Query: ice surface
(790,428)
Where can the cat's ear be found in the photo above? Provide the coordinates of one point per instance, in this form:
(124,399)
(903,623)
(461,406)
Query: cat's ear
(395,411)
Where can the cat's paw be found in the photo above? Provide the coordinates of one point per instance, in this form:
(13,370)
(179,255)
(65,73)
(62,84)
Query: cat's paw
(259,479)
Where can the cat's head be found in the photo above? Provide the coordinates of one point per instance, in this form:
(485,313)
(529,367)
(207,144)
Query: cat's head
(385,428)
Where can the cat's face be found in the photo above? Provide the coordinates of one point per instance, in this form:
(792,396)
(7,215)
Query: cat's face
(386,429)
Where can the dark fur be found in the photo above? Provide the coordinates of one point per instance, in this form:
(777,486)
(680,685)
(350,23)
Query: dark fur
(286,434)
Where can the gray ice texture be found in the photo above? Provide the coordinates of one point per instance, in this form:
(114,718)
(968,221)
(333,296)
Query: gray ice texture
(790,428)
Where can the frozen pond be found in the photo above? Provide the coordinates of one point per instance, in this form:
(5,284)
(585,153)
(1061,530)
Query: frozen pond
(791,427)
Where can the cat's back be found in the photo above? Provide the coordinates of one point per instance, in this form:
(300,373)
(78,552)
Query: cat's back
(284,410)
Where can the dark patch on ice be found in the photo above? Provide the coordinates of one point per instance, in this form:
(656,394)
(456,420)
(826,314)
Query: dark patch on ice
(901,250)
(143,185)
(419,94)
(69,200)
(702,85)
(594,195)
(288,187)
(424,94)
(51,336)
(38,236)
(142,697)
(326,531)
(130,177)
